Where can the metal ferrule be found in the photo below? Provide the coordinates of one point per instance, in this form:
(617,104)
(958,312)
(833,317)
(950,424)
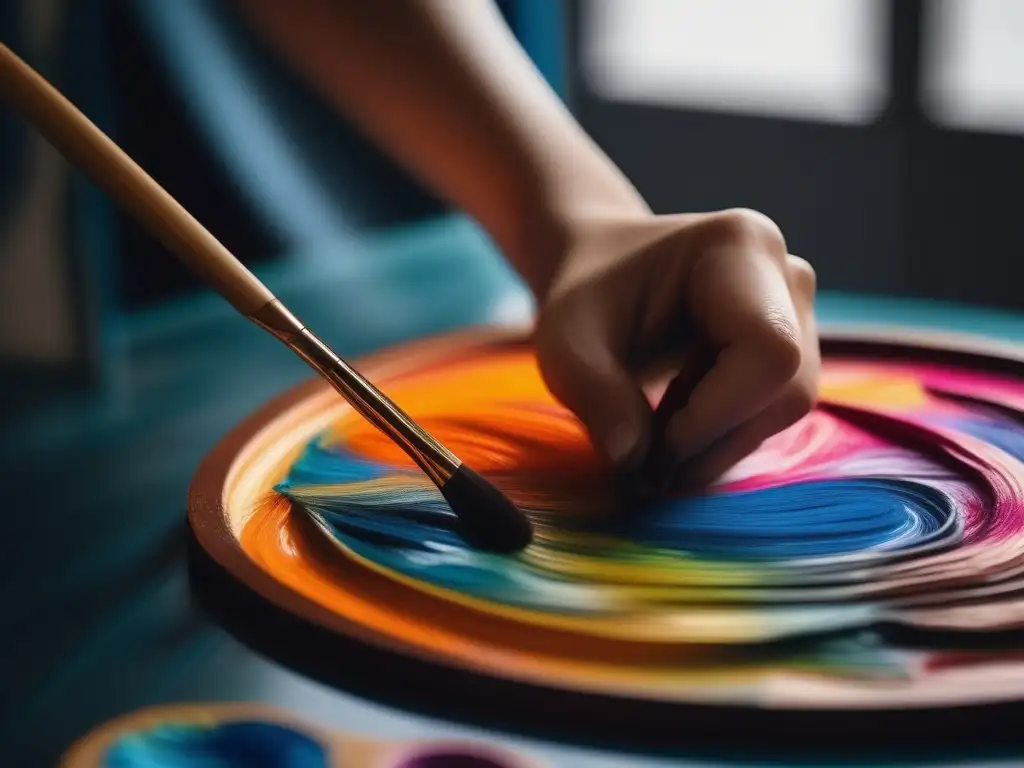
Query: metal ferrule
(433,458)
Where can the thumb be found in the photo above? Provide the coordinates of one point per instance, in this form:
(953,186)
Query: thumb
(582,371)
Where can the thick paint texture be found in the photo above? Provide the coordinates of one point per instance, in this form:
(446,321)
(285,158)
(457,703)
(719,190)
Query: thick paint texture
(900,495)
(223,745)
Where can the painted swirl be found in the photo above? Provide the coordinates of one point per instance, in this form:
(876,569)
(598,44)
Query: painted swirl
(897,503)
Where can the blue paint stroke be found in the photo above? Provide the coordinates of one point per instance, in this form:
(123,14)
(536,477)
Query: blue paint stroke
(409,528)
(1002,433)
(810,519)
(239,744)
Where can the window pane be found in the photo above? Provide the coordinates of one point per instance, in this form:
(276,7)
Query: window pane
(812,59)
(974,64)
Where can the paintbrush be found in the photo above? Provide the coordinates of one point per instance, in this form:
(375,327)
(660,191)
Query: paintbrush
(487,519)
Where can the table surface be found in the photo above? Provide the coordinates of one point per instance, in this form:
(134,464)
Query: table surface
(97,618)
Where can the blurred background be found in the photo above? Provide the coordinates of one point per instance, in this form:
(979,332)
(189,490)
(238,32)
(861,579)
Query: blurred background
(886,137)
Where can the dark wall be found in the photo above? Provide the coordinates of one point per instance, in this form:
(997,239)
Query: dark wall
(900,206)
(152,122)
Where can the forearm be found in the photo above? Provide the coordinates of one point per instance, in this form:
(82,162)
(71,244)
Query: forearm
(443,87)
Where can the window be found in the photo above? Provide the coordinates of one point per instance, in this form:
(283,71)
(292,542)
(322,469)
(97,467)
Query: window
(806,59)
(973,74)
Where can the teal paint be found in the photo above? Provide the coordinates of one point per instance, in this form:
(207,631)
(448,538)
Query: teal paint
(246,744)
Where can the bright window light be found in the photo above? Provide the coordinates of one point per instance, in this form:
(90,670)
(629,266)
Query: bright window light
(974,64)
(820,60)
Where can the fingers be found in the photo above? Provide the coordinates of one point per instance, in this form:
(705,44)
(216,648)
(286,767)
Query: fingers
(578,361)
(743,304)
(746,299)
(660,468)
(743,441)
(795,400)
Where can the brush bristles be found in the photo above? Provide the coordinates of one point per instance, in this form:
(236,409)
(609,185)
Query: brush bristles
(487,519)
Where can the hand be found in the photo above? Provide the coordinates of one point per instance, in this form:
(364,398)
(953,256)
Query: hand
(717,299)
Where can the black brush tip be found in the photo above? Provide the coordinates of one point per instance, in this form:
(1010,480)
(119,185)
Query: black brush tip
(487,519)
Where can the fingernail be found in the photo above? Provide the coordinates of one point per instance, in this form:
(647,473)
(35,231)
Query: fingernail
(621,445)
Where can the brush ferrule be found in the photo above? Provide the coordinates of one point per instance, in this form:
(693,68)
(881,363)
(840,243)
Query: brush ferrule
(430,455)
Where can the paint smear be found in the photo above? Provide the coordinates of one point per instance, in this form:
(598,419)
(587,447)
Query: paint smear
(225,745)
(898,497)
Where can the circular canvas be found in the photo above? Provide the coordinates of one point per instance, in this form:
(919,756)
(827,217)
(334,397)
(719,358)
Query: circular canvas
(869,558)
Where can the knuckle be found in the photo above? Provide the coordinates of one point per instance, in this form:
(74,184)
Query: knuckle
(748,226)
(802,275)
(778,346)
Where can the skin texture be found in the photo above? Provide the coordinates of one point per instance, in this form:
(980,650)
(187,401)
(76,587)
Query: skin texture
(623,294)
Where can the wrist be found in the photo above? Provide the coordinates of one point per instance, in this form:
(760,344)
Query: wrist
(555,227)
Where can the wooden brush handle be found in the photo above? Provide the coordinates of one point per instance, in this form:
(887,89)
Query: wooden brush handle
(87,147)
